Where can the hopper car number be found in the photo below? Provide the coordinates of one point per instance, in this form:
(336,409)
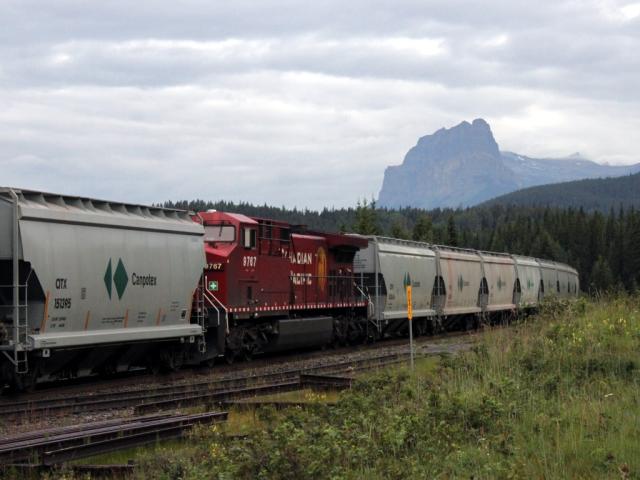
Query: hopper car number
(62,303)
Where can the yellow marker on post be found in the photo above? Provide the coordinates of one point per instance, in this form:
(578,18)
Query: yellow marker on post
(410,317)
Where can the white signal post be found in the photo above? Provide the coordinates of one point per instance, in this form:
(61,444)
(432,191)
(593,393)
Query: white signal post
(410,317)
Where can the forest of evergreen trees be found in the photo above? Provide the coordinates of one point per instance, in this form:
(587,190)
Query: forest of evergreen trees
(605,248)
(589,194)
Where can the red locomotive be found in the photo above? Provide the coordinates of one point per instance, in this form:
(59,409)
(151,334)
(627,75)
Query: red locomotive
(269,285)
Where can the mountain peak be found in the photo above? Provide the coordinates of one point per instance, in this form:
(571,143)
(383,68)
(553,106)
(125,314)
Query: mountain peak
(463,139)
(480,122)
(462,165)
(452,160)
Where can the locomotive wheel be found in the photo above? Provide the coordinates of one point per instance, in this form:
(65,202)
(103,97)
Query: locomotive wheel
(339,334)
(247,355)
(229,356)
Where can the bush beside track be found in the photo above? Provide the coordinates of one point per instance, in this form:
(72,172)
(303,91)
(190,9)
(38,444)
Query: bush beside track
(557,396)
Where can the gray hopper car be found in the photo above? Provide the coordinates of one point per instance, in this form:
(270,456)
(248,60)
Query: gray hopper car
(453,284)
(89,285)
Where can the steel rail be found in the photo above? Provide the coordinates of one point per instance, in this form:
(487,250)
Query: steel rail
(128,398)
(94,439)
(210,399)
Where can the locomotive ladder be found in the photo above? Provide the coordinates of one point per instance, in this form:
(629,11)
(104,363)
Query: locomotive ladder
(19,337)
(19,296)
(22,326)
(200,317)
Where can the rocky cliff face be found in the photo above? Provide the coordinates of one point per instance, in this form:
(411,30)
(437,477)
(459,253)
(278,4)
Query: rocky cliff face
(453,167)
(463,166)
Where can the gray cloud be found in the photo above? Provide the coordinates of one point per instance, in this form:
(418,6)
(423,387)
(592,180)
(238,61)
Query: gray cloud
(303,105)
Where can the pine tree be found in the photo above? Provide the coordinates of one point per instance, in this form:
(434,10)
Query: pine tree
(366,219)
(601,276)
(632,248)
(423,229)
(398,231)
(452,232)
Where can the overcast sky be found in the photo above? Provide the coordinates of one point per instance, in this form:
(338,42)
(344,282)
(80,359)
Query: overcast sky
(300,103)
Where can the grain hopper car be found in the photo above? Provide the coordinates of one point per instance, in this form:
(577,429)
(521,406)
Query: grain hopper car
(94,286)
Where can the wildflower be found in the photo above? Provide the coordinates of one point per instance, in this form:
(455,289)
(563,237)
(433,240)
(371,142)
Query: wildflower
(215,450)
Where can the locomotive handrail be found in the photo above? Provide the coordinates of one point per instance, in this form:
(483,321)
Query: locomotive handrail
(364,295)
(213,302)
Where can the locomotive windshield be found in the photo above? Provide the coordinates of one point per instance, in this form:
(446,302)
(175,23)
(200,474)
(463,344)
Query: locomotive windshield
(219,233)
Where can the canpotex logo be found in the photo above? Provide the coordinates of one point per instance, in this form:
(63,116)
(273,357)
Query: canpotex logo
(119,278)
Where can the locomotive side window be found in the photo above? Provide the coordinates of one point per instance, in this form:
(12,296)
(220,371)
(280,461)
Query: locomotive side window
(249,238)
(219,233)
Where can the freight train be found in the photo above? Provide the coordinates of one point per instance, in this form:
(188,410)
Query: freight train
(96,287)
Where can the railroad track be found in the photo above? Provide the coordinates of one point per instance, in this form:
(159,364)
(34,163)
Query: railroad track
(171,396)
(53,446)
(138,378)
(36,449)
(111,472)
(230,397)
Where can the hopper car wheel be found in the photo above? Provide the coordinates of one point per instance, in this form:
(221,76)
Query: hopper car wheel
(469,323)
(108,370)
(26,382)
(171,361)
(153,366)
(420,328)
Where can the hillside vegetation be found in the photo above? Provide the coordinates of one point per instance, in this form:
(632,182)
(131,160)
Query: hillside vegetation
(556,396)
(599,194)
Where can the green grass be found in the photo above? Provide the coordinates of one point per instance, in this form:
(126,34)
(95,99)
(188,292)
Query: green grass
(301,396)
(555,396)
